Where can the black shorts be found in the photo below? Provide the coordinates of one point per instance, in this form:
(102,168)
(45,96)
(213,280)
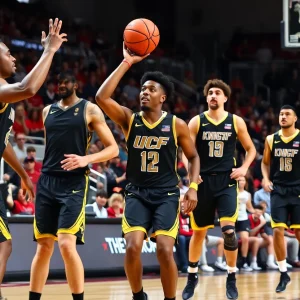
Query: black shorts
(60,206)
(242,226)
(215,193)
(151,208)
(285,206)
(4,230)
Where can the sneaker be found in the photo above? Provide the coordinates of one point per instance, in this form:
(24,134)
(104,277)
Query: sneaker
(284,281)
(255,267)
(145,297)
(189,289)
(272,266)
(246,268)
(207,268)
(231,290)
(222,266)
(287,265)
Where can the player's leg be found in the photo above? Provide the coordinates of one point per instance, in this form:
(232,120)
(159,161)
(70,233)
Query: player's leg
(5,241)
(215,241)
(279,218)
(45,228)
(136,222)
(165,229)
(202,218)
(71,225)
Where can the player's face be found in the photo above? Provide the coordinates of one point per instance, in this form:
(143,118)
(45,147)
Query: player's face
(287,118)
(7,62)
(66,88)
(151,95)
(215,98)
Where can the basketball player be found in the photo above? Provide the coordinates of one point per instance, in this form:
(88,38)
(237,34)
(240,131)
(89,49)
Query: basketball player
(63,185)
(214,133)
(152,196)
(281,172)
(10,93)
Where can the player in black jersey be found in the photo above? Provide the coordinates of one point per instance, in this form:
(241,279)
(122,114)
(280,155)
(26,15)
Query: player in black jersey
(281,172)
(63,185)
(10,93)
(152,196)
(214,133)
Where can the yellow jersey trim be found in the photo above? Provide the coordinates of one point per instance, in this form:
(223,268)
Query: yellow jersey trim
(270,139)
(213,121)
(199,123)
(287,139)
(129,127)
(235,124)
(4,108)
(151,126)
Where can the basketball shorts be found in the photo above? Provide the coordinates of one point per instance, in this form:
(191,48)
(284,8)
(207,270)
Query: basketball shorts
(4,230)
(155,209)
(285,206)
(216,193)
(60,206)
(243,225)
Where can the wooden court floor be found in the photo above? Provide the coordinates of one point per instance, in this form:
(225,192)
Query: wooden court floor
(251,286)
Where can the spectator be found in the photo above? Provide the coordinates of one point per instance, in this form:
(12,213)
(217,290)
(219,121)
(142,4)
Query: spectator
(99,205)
(20,148)
(20,205)
(29,164)
(34,123)
(292,247)
(213,241)
(20,117)
(31,152)
(115,209)
(131,90)
(49,97)
(262,195)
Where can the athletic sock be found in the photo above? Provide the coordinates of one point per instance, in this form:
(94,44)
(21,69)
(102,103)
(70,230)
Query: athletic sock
(78,296)
(193,267)
(34,296)
(139,295)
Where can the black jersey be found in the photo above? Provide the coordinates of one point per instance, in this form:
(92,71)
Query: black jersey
(7,117)
(216,144)
(152,152)
(66,133)
(285,159)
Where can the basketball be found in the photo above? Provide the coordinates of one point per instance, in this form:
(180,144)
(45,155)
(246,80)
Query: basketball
(141,36)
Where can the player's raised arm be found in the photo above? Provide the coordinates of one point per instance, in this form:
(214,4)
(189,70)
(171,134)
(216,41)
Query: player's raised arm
(32,82)
(245,139)
(97,123)
(119,114)
(190,152)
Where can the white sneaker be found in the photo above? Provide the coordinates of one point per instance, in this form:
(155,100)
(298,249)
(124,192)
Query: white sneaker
(206,268)
(272,266)
(255,267)
(287,265)
(246,268)
(222,266)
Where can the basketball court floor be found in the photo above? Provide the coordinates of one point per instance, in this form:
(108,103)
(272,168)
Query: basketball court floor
(259,286)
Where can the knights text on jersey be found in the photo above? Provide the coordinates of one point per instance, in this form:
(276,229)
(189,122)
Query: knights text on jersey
(66,133)
(216,143)
(285,159)
(152,152)
(7,117)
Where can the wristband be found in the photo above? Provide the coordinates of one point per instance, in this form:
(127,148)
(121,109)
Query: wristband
(126,61)
(194,185)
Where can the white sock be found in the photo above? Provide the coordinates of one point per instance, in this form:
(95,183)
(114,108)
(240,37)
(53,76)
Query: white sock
(282,265)
(270,258)
(254,259)
(220,259)
(192,270)
(231,269)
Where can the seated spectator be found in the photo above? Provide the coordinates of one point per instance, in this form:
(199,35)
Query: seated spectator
(262,195)
(35,123)
(213,241)
(20,148)
(20,205)
(292,247)
(184,237)
(29,166)
(19,125)
(99,204)
(257,222)
(115,209)
(31,152)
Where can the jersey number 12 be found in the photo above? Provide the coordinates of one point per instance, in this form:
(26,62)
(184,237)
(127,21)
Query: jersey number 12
(146,166)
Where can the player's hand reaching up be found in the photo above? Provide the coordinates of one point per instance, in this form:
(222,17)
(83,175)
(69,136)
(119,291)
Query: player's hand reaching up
(28,188)
(190,201)
(73,162)
(54,39)
(132,58)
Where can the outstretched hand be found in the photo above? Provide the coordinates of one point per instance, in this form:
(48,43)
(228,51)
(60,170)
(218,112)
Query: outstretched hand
(54,39)
(131,57)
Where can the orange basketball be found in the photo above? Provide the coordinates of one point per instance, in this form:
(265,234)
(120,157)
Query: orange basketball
(141,36)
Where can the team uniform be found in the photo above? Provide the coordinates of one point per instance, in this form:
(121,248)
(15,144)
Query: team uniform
(215,144)
(152,196)
(7,117)
(285,175)
(61,195)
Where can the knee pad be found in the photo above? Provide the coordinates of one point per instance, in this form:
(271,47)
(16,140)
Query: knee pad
(230,240)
